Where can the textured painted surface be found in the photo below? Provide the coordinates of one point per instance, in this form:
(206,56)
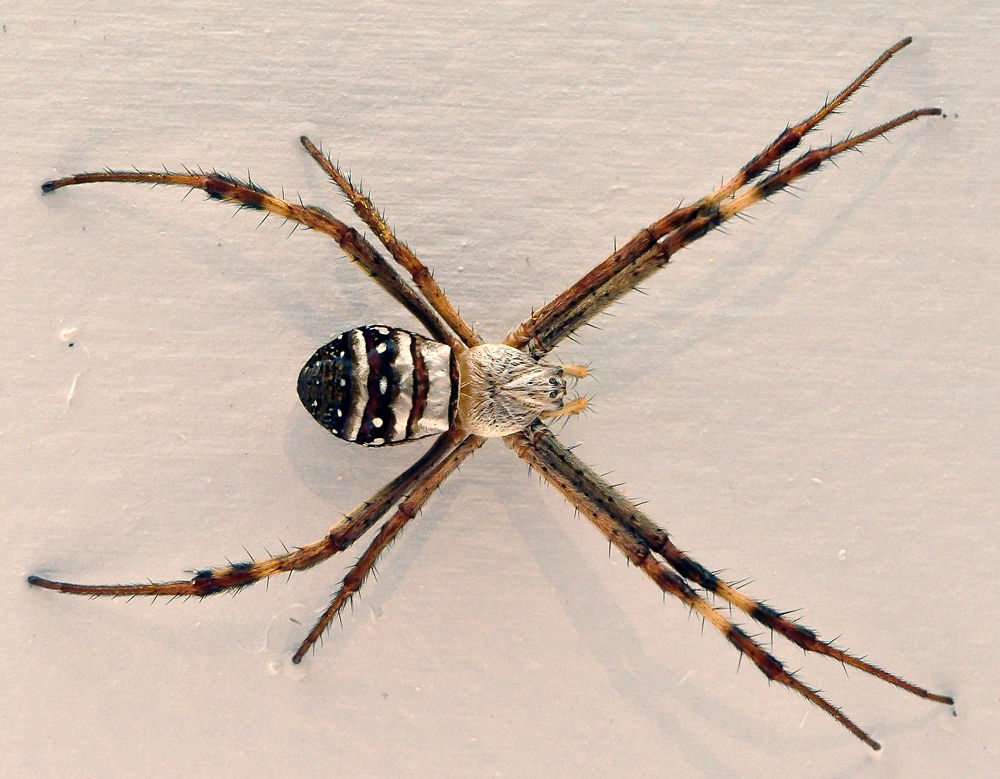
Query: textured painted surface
(809,401)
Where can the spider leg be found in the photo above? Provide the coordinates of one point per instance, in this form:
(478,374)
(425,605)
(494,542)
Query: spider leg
(653,247)
(791,136)
(236,576)
(248,195)
(638,538)
(419,272)
(799,635)
(576,371)
(406,511)
(662,252)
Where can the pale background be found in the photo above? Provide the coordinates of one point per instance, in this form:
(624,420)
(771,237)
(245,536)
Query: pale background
(809,401)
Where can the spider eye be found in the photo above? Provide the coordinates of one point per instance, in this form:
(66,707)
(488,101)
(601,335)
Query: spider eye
(553,381)
(554,393)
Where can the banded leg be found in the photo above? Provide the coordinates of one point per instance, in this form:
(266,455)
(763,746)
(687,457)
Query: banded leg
(651,248)
(810,161)
(419,272)
(658,540)
(806,639)
(787,140)
(248,195)
(387,533)
(790,137)
(637,537)
(236,576)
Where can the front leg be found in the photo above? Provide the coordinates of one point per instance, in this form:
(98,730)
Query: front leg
(654,246)
(248,195)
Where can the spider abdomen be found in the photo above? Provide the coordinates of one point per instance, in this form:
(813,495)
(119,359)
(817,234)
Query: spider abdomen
(381,385)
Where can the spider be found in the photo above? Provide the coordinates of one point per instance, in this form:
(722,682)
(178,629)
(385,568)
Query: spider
(381,386)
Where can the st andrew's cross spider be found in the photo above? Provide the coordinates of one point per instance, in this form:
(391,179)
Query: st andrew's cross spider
(382,385)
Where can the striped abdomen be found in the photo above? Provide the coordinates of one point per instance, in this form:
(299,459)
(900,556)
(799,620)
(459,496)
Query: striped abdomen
(381,385)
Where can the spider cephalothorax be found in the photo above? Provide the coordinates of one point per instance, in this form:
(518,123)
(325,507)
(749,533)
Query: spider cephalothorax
(503,390)
(381,385)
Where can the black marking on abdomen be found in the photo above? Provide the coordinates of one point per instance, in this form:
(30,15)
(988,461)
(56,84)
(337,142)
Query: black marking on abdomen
(419,389)
(378,418)
(326,384)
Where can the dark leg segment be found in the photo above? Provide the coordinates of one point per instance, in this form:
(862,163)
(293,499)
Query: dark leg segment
(400,251)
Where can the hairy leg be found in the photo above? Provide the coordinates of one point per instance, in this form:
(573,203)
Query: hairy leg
(236,576)
(419,272)
(407,510)
(651,248)
(638,538)
(248,195)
